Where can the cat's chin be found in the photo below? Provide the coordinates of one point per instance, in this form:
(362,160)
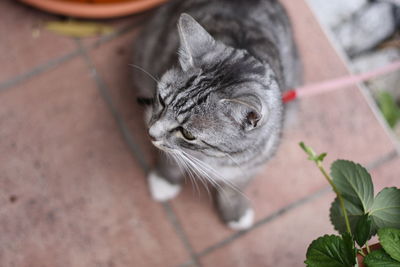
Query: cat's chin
(160,145)
(211,154)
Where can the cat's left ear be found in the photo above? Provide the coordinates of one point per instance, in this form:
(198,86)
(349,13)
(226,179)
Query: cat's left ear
(195,41)
(245,111)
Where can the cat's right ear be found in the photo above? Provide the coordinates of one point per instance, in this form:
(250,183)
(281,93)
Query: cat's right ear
(246,111)
(195,41)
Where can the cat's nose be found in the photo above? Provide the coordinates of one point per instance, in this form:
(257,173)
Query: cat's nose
(152,138)
(154,132)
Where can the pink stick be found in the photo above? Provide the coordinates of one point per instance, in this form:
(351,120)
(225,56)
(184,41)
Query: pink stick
(330,85)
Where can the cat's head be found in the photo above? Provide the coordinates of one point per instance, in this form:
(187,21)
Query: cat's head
(219,101)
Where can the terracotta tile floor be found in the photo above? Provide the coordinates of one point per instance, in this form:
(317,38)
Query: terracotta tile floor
(74,155)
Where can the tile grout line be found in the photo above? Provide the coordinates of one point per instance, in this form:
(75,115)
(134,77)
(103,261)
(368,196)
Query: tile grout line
(321,192)
(52,63)
(361,86)
(181,233)
(265,220)
(382,160)
(104,92)
(135,150)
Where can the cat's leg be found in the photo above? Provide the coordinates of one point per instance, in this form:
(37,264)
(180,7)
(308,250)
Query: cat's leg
(165,179)
(234,208)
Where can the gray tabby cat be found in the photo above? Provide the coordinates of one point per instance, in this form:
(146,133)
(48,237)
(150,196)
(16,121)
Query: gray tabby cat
(217,108)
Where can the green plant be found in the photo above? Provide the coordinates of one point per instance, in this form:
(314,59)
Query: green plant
(357,215)
(389,108)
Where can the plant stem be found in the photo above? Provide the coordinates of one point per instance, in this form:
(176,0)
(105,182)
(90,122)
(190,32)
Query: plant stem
(341,202)
(368,249)
(361,252)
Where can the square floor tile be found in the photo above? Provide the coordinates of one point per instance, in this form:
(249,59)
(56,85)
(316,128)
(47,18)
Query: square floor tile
(71,193)
(25,44)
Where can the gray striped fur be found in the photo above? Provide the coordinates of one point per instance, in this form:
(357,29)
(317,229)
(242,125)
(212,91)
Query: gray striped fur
(221,81)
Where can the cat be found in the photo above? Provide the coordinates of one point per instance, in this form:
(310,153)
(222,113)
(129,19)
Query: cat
(217,108)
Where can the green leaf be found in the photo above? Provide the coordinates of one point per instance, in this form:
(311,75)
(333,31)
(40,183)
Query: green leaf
(349,244)
(307,149)
(321,157)
(330,251)
(389,109)
(363,230)
(390,241)
(379,258)
(385,211)
(311,153)
(354,183)
(354,214)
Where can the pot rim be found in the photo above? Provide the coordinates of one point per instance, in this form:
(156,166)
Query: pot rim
(102,10)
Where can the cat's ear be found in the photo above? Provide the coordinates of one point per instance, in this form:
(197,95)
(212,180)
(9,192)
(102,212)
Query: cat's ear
(245,111)
(195,41)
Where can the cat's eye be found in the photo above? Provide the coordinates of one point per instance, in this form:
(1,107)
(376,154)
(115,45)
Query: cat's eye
(161,101)
(186,134)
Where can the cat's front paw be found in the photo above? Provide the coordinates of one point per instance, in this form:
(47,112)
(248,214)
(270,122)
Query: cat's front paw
(244,222)
(160,189)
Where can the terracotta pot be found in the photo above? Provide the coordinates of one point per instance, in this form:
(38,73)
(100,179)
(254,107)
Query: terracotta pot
(94,9)
(360,258)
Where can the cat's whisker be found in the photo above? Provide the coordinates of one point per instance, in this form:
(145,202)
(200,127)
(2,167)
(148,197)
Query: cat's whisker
(181,162)
(178,162)
(173,156)
(206,169)
(205,166)
(205,172)
(215,173)
(194,175)
(144,71)
(191,166)
(200,169)
(199,173)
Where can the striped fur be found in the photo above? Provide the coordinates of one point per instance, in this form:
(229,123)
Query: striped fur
(221,82)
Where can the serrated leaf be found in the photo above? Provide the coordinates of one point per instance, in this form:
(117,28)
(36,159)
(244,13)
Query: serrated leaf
(329,251)
(337,218)
(363,230)
(354,183)
(385,211)
(390,241)
(379,258)
(349,244)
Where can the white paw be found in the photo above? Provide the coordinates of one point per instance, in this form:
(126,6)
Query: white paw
(160,189)
(245,222)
